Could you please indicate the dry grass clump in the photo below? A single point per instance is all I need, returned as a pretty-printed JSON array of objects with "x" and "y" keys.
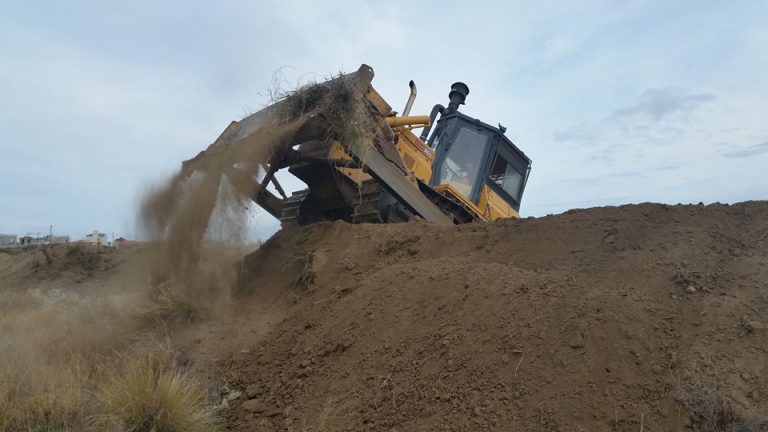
[
  {"x": 44, "y": 396},
  {"x": 337, "y": 100},
  {"x": 151, "y": 393},
  {"x": 306, "y": 276},
  {"x": 705, "y": 397},
  {"x": 169, "y": 307},
  {"x": 59, "y": 370},
  {"x": 45, "y": 371}
]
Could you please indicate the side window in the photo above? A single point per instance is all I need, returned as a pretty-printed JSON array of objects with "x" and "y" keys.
[{"x": 507, "y": 177}]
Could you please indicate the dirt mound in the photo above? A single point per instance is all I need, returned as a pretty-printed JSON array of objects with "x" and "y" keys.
[
  {"x": 76, "y": 260},
  {"x": 595, "y": 319}
]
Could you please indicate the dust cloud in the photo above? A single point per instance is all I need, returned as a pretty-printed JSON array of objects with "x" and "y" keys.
[{"x": 198, "y": 219}]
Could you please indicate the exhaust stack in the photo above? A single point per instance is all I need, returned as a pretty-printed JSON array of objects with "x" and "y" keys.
[
  {"x": 411, "y": 98},
  {"x": 457, "y": 96}
]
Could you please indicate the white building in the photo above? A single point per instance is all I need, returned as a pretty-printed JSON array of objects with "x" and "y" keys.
[
  {"x": 96, "y": 238},
  {"x": 8, "y": 240}
]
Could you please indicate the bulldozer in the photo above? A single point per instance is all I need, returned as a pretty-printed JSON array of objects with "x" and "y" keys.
[{"x": 362, "y": 162}]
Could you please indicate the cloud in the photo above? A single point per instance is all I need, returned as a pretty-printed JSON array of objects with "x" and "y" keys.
[
  {"x": 748, "y": 151},
  {"x": 658, "y": 104},
  {"x": 653, "y": 116}
]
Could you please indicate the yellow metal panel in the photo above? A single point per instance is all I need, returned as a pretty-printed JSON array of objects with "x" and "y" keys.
[
  {"x": 412, "y": 121},
  {"x": 336, "y": 151},
  {"x": 450, "y": 191},
  {"x": 416, "y": 155},
  {"x": 493, "y": 206},
  {"x": 378, "y": 102}
]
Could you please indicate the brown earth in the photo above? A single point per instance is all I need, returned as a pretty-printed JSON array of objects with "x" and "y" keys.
[
  {"x": 586, "y": 321},
  {"x": 592, "y": 320}
]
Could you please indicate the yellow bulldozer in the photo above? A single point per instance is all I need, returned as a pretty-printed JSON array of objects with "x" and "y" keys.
[{"x": 362, "y": 162}]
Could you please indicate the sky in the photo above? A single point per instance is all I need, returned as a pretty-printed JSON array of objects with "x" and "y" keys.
[{"x": 616, "y": 102}]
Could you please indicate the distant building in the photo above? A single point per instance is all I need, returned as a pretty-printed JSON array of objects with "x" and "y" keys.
[
  {"x": 57, "y": 239},
  {"x": 96, "y": 238},
  {"x": 26, "y": 240},
  {"x": 122, "y": 242},
  {"x": 8, "y": 240}
]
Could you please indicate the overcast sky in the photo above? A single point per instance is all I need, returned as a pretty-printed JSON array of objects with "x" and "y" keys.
[{"x": 615, "y": 101}]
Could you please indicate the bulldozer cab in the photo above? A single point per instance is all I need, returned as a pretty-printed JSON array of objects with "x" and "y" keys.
[{"x": 473, "y": 157}]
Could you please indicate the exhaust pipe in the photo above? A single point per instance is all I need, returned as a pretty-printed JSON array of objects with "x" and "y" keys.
[
  {"x": 456, "y": 97},
  {"x": 411, "y": 98},
  {"x": 437, "y": 109}
]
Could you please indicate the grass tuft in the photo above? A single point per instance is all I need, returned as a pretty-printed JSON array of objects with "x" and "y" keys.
[
  {"x": 150, "y": 393},
  {"x": 705, "y": 397}
]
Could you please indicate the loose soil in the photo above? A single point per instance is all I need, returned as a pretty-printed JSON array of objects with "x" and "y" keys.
[
  {"x": 589, "y": 320},
  {"x": 592, "y": 320}
]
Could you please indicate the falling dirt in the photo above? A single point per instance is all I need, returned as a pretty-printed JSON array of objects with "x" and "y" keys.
[
  {"x": 198, "y": 216},
  {"x": 594, "y": 320}
]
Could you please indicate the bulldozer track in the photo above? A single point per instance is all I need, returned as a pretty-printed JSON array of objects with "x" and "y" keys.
[
  {"x": 365, "y": 209},
  {"x": 367, "y": 205}
]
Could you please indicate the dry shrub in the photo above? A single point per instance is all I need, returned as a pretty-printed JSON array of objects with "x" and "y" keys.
[
  {"x": 305, "y": 277},
  {"x": 57, "y": 357},
  {"x": 151, "y": 393},
  {"x": 45, "y": 396},
  {"x": 82, "y": 257},
  {"x": 45, "y": 372},
  {"x": 705, "y": 397},
  {"x": 169, "y": 307}
]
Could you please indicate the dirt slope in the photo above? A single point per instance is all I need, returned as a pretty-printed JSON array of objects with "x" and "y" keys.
[{"x": 587, "y": 321}]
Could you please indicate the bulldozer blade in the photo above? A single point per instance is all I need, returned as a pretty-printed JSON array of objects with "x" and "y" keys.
[{"x": 377, "y": 156}]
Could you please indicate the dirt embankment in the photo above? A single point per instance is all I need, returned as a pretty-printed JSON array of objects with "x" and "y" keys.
[{"x": 591, "y": 320}]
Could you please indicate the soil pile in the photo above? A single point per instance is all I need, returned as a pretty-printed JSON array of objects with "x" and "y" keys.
[{"x": 595, "y": 319}]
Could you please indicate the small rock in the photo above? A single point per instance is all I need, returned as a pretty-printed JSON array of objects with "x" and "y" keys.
[
  {"x": 234, "y": 394},
  {"x": 691, "y": 289},
  {"x": 254, "y": 405},
  {"x": 305, "y": 363},
  {"x": 754, "y": 326},
  {"x": 505, "y": 358},
  {"x": 478, "y": 411},
  {"x": 445, "y": 397},
  {"x": 577, "y": 341},
  {"x": 252, "y": 391},
  {"x": 740, "y": 399}
]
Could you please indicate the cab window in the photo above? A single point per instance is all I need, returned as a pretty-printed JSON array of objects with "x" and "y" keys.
[
  {"x": 506, "y": 177},
  {"x": 462, "y": 160}
]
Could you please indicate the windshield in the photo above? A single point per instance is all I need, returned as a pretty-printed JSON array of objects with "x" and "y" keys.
[{"x": 462, "y": 161}]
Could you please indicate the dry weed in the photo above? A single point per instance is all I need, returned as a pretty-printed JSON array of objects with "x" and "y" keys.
[
  {"x": 169, "y": 307},
  {"x": 705, "y": 397},
  {"x": 151, "y": 393},
  {"x": 306, "y": 275}
]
